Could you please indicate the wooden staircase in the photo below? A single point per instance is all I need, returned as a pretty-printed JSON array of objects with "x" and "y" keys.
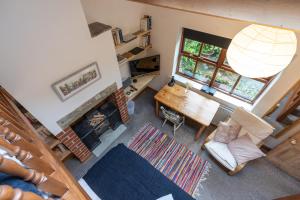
[
  {"x": 291, "y": 111},
  {"x": 19, "y": 139}
]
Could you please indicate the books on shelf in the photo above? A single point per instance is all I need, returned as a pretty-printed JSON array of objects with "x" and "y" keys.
[
  {"x": 145, "y": 40},
  {"x": 146, "y": 23},
  {"x": 117, "y": 36}
]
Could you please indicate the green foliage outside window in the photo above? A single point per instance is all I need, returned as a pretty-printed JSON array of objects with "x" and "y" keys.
[
  {"x": 225, "y": 80},
  {"x": 204, "y": 72},
  {"x": 192, "y": 46},
  {"x": 248, "y": 88},
  {"x": 211, "y": 52},
  {"x": 187, "y": 65}
]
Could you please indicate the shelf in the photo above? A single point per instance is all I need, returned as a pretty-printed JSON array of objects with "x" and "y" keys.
[
  {"x": 132, "y": 56},
  {"x": 141, "y": 33},
  {"x": 140, "y": 85},
  {"x": 52, "y": 142},
  {"x": 63, "y": 155},
  {"x": 137, "y": 34}
]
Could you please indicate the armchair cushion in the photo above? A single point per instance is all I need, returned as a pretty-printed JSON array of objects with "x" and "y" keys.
[
  {"x": 226, "y": 132},
  {"x": 243, "y": 149},
  {"x": 254, "y": 125},
  {"x": 221, "y": 152}
]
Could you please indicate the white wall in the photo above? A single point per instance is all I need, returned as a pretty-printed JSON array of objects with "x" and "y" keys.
[
  {"x": 167, "y": 25},
  {"x": 41, "y": 43},
  {"x": 117, "y": 13}
]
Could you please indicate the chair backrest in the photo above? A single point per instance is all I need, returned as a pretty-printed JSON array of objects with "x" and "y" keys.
[{"x": 257, "y": 128}]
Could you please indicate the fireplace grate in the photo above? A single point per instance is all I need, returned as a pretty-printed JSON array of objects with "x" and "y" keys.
[{"x": 96, "y": 122}]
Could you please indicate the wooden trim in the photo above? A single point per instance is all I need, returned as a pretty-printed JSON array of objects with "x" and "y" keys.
[
  {"x": 275, "y": 105},
  {"x": 189, "y": 10},
  {"x": 292, "y": 197}
]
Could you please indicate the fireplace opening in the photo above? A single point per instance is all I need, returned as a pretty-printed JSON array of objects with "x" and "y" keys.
[{"x": 93, "y": 124}]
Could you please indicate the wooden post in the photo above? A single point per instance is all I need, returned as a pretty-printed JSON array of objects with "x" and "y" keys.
[
  {"x": 17, "y": 140},
  {"x": 12, "y": 127},
  {"x": 26, "y": 157},
  {"x": 157, "y": 108},
  {"x": 45, "y": 183},
  {"x": 199, "y": 132},
  {"x": 9, "y": 193}
]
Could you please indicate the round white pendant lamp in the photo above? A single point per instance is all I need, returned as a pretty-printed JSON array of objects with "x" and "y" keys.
[{"x": 260, "y": 51}]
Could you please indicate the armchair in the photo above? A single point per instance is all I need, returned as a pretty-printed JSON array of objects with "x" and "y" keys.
[{"x": 255, "y": 127}]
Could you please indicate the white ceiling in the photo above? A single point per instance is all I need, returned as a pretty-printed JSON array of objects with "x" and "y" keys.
[{"x": 280, "y": 13}]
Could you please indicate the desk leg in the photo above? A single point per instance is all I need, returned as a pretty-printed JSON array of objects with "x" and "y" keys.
[
  {"x": 200, "y": 131},
  {"x": 157, "y": 108}
]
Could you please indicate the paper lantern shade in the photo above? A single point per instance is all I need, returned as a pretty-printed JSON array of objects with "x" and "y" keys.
[{"x": 260, "y": 51}]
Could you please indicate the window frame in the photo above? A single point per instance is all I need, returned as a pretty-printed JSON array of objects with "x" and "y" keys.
[{"x": 219, "y": 64}]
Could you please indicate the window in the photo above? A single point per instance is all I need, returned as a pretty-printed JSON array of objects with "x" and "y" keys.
[{"x": 202, "y": 58}]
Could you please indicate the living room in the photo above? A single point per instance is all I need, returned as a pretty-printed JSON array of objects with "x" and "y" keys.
[{"x": 75, "y": 72}]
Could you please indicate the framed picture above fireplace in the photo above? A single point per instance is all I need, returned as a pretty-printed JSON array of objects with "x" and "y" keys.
[{"x": 75, "y": 82}]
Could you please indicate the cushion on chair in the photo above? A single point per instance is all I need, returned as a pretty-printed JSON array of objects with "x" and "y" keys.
[
  {"x": 226, "y": 132},
  {"x": 221, "y": 152},
  {"x": 243, "y": 149},
  {"x": 255, "y": 126},
  {"x": 254, "y": 139}
]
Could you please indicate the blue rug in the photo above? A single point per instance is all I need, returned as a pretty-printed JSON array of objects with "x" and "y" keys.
[{"x": 124, "y": 175}]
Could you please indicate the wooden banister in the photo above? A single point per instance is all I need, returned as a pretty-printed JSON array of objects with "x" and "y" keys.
[
  {"x": 12, "y": 127},
  {"x": 43, "y": 182},
  {"x": 9, "y": 193},
  {"x": 17, "y": 140},
  {"x": 28, "y": 140},
  {"x": 292, "y": 103},
  {"x": 26, "y": 157}
]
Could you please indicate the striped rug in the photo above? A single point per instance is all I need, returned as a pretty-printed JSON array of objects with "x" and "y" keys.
[{"x": 174, "y": 160}]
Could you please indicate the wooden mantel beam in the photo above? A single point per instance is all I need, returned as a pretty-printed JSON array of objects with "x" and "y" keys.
[{"x": 277, "y": 13}]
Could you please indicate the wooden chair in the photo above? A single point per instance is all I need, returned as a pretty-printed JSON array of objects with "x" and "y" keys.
[
  {"x": 176, "y": 119},
  {"x": 255, "y": 127}
]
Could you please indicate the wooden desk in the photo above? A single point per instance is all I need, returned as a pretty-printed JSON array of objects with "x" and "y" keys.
[{"x": 190, "y": 104}]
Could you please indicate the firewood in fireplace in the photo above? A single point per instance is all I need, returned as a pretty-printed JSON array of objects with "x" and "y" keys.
[{"x": 96, "y": 119}]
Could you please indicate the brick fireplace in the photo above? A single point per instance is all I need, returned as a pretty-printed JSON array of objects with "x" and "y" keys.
[{"x": 71, "y": 139}]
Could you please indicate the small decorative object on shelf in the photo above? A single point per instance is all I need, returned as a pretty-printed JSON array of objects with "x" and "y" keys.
[
  {"x": 117, "y": 36},
  {"x": 171, "y": 82},
  {"x": 146, "y": 23}
]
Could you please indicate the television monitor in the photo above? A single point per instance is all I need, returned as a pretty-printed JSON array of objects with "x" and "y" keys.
[{"x": 143, "y": 66}]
